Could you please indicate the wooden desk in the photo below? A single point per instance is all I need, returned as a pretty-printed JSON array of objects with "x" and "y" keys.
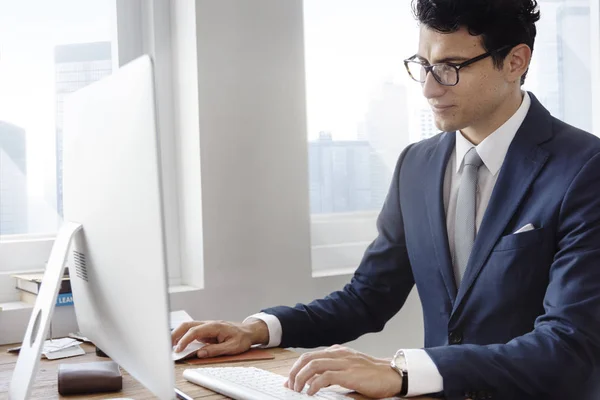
[{"x": 46, "y": 382}]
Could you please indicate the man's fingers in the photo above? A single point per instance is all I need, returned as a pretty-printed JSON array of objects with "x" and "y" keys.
[
  {"x": 325, "y": 379},
  {"x": 332, "y": 352},
  {"x": 215, "y": 350},
  {"x": 318, "y": 367},
  {"x": 182, "y": 329},
  {"x": 311, "y": 380},
  {"x": 298, "y": 365},
  {"x": 200, "y": 332}
]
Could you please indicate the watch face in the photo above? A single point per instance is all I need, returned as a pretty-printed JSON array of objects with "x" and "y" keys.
[{"x": 400, "y": 361}]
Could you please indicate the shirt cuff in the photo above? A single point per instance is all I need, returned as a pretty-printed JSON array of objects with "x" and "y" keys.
[
  {"x": 423, "y": 375},
  {"x": 274, "y": 326}
]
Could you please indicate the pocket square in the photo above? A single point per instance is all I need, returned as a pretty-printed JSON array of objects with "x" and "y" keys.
[{"x": 528, "y": 227}]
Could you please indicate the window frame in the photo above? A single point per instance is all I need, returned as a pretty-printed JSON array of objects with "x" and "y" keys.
[
  {"x": 144, "y": 27},
  {"x": 139, "y": 27}
]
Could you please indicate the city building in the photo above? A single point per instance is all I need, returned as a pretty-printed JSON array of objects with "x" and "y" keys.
[
  {"x": 387, "y": 130},
  {"x": 77, "y": 65},
  {"x": 427, "y": 124},
  {"x": 354, "y": 175},
  {"x": 13, "y": 180},
  {"x": 339, "y": 175}
]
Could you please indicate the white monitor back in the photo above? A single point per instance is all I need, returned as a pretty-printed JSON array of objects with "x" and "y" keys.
[{"x": 112, "y": 186}]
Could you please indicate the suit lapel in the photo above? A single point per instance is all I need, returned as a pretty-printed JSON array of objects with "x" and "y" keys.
[
  {"x": 434, "y": 195},
  {"x": 523, "y": 162}
]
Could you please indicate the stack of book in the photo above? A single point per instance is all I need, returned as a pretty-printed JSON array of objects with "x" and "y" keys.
[{"x": 29, "y": 286}]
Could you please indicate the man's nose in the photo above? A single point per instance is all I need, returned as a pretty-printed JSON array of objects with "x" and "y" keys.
[{"x": 432, "y": 88}]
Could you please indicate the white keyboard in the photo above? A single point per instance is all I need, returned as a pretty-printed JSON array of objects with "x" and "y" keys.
[{"x": 252, "y": 384}]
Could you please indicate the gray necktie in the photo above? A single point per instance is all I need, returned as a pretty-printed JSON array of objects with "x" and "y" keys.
[{"x": 466, "y": 205}]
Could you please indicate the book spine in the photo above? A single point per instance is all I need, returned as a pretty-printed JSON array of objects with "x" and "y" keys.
[
  {"x": 34, "y": 287},
  {"x": 64, "y": 299},
  {"x": 28, "y": 286},
  {"x": 65, "y": 286}
]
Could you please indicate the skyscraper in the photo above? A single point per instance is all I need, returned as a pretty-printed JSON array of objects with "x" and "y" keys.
[
  {"x": 426, "y": 124},
  {"x": 354, "y": 175},
  {"x": 339, "y": 175},
  {"x": 13, "y": 180},
  {"x": 560, "y": 67},
  {"x": 77, "y": 65},
  {"x": 388, "y": 133},
  {"x": 545, "y": 63},
  {"x": 574, "y": 60}
]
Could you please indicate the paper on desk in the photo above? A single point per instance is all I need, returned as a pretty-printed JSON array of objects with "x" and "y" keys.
[
  {"x": 71, "y": 351},
  {"x": 61, "y": 348},
  {"x": 79, "y": 336},
  {"x": 53, "y": 345},
  {"x": 179, "y": 317}
]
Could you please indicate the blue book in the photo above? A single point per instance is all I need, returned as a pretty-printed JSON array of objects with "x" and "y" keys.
[{"x": 64, "y": 299}]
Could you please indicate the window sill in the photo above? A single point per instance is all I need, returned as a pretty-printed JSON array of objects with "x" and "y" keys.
[
  {"x": 183, "y": 289},
  {"x": 20, "y": 305},
  {"x": 7, "y": 307},
  {"x": 14, "y": 306},
  {"x": 15, "y": 315}
]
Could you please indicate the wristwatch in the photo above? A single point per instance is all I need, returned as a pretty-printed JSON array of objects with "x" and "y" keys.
[{"x": 398, "y": 364}]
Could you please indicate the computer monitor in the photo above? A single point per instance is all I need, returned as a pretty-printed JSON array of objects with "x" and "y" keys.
[{"x": 112, "y": 187}]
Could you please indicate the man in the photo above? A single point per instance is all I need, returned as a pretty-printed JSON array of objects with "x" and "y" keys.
[{"x": 496, "y": 220}]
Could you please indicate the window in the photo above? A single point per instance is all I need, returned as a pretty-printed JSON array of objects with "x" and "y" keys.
[
  {"x": 560, "y": 73},
  {"x": 50, "y": 49},
  {"x": 363, "y": 110},
  {"x": 47, "y": 50}
]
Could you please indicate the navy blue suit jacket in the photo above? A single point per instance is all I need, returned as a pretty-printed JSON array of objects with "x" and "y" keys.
[{"x": 525, "y": 321}]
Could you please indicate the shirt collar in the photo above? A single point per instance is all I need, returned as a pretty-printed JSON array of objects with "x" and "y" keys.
[{"x": 493, "y": 149}]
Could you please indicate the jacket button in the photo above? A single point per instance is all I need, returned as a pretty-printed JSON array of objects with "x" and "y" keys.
[{"x": 455, "y": 338}]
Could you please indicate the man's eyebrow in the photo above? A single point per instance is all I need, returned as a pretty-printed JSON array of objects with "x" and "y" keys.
[{"x": 451, "y": 59}]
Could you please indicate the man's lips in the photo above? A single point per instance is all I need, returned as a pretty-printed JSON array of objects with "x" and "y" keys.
[{"x": 440, "y": 107}]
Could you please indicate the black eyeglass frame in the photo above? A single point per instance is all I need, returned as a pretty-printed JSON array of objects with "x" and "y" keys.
[{"x": 457, "y": 67}]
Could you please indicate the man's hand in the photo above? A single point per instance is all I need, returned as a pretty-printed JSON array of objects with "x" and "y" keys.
[
  {"x": 221, "y": 337},
  {"x": 337, "y": 365}
]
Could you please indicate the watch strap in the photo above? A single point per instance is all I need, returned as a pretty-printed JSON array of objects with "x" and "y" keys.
[{"x": 402, "y": 371}]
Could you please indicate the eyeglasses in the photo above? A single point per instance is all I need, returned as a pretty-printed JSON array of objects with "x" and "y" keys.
[{"x": 445, "y": 74}]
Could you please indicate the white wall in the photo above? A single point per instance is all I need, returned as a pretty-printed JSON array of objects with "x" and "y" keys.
[{"x": 254, "y": 171}]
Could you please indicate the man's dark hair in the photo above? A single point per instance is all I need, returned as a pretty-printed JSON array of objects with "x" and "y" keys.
[{"x": 499, "y": 22}]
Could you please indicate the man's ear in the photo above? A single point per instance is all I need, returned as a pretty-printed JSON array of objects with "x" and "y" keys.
[{"x": 517, "y": 62}]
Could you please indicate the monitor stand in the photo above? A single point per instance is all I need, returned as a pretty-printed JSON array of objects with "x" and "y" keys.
[{"x": 29, "y": 356}]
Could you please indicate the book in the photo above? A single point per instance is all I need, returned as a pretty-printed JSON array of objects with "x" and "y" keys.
[
  {"x": 32, "y": 282},
  {"x": 63, "y": 299}
]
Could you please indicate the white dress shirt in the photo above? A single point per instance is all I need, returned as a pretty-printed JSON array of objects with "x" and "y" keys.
[{"x": 424, "y": 375}]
